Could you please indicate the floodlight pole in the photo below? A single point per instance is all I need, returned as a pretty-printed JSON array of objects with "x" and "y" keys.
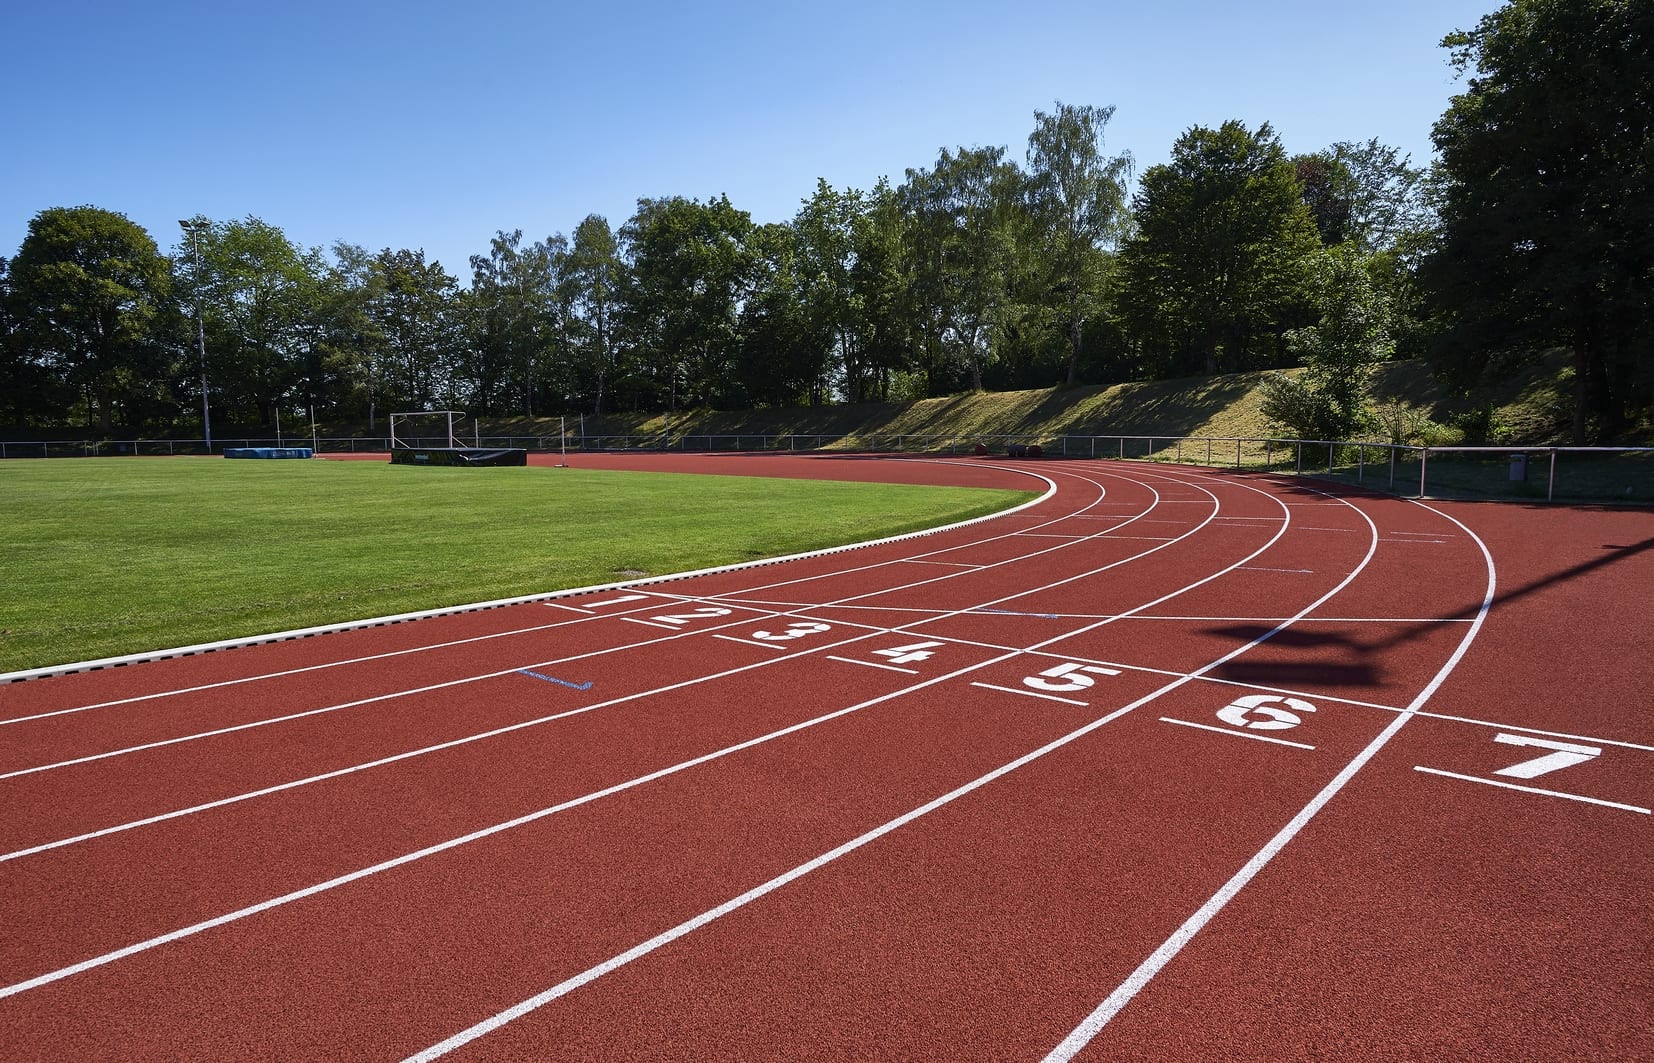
[{"x": 193, "y": 227}]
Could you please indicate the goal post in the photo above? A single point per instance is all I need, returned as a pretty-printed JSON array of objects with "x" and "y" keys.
[{"x": 446, "y": 427}]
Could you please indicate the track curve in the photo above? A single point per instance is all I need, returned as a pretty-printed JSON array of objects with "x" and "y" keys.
[{"x": 1077, "y": 781}]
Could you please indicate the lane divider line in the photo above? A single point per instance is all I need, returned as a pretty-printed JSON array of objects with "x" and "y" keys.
[
  {"x": 1093, "y": 1024},
  {"x": 750, "y": 642},
  {"x": 539, "y": 1000},
  {"x": 465, "y": 839},
  {"x": 1030, "y": 694},
  {"x": 1535, "y": 790},
  {"x": 874, "y": 664},
  {"x": 1237, "y": 734}
]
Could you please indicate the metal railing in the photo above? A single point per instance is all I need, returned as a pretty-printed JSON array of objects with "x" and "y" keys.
[{"x": 1624, "y": 474}]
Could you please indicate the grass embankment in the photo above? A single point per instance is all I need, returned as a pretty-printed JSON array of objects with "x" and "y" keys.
[
  {"x": 1531, "y": 407},
  {"x": 111, "y": 556}
]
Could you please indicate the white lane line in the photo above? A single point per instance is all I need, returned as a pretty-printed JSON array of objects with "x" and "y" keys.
[
  {"x": 1100, "y": 1017},
  {"x": 689, "y": 926},
  {"x": 477, "y": 835},
  {"x": 370, "y": 658},
  {"x": 676, "y": 634},
  {"x": 1309, "y": 619},
  {"x": 1259, "y": 568},
  {"x": 1534, "y": 790},
  {"x": 750, "y": 642},
  {"x": 1537, "y": 731},
  {"x": 422, "y": 751},
  {"x": 570, "y": 608},
  {"x": 398, "y": 861},
  {"x": 501, "y": 1018},
  {"x": 1235, "y": 733},
  {"x": 947, "y": 564},
  {"x": 650, "y": 623},
  {"x": 873, "y": 664},
  {"x": 1030, "y": 694}
]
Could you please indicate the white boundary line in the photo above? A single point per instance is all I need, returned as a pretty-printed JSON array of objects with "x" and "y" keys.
[
  {"x": 1236, "y": 734},
  {"x": 1100, "y": 1016},
  {"x": 1030, "y": 694},
  {"x": 868, "y": 632},
  {"x": 142, "y": 946},
  {"x": 1535, "y": 790},
  {"x": 546, "y": 596},
  {"x": 567, "y": 986}
]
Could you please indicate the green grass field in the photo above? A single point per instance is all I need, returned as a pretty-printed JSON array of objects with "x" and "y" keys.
[{"x": 103, "y": 557}]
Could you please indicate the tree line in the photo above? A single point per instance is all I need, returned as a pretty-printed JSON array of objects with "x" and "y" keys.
[{"x": 1532, "y": 230}]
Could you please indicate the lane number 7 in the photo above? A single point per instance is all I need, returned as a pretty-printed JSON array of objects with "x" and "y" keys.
[{"x": 1563, "y": 755}]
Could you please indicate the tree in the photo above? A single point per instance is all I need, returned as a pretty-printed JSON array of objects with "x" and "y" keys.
[
  {"x": 785, "y": 346},
  {"x": 1546, "y": 201},
  {"x": 593, "y": 278},
  {"x": 515, "y": 309},
  {"x": 1219, "y": 258},
  {"x": 1077, "y": 200},
  {"x": 1329, "y": 193},
  {"x": 691, "y": 267},
  {"x": 414, "y": 321},
  {"x": 86, "y": 290},
  {"x": 1328, "y": 400},
  {"x": 959, "y": 245},
  {"x": 1386, "y": 194},
  {"x": 258, "y": 294},
  {"x": 882, "y": 297}
]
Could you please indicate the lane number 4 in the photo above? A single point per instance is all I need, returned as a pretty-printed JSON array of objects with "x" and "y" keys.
[{"x": 919, "y": 651}]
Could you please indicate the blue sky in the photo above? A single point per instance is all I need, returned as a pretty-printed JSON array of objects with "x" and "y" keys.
[{"x": 432, "y": 125}]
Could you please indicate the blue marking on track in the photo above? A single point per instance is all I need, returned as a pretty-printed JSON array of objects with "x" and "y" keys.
[
  {"x": 1013, "y": 612},
  {"x": 587, "y": 685}
]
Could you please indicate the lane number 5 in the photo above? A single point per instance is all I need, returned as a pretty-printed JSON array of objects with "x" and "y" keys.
[{"x": 1068, "y": 677}]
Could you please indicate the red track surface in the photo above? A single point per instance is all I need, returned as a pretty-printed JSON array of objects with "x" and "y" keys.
[{"x": 965, "y": 796}]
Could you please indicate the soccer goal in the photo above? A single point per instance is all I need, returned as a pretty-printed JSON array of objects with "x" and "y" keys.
[{"x": 421, "y": 427}]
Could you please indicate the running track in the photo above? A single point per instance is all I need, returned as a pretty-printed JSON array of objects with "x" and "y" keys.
[{"x": 1172, "y": 764}]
